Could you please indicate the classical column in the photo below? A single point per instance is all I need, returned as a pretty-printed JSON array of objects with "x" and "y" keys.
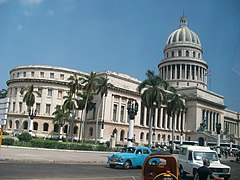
[
  {"x": 145, "y": 117},
  {"x": 156, "y": 117},
  {"x": 161, "y": 117}
]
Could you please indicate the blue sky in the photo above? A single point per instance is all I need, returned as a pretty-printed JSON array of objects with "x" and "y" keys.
[{"x": 126, "y": 36}]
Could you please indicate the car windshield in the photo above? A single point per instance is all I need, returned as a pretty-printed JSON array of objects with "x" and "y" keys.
[
  {"x": 129, "y": 149},
  {"x": 211, "y": 156}
]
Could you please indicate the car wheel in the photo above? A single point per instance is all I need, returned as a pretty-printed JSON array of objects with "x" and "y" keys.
[
  {"x": 127, "y": 165},
  {"x": 112, "y": 165},
  {"x": 182, "y": 173}
]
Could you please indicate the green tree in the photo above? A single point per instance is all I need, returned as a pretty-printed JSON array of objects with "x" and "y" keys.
[
  {"x": 61, "y": 116},
  {"x": 3, "y": 93},
  {"x": 89, "y": 86},
  {"x": 175, "y": 106},
  {"x": 152, "y": 96},
  {"x": 74, "y": 86},
  {"x": 102, "y": 89}
]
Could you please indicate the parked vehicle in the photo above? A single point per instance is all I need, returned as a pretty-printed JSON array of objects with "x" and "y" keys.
[
  {"x": 190, "y": 158},
  {"x": 160, "y": 166},
  {"x": 129, "y": 157}
]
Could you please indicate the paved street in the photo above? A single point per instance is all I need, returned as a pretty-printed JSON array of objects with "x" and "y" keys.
[{"x": 36, "y": 163}]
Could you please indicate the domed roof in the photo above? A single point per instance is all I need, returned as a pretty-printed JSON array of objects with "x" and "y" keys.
[{"x": 183, "y": 35}]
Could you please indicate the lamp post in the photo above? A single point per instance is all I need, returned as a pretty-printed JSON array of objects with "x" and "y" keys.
[
  {"x": 132, "y": 108},
  {"x": 218, "y": 128},
  {"x": 31, "y": 114}
]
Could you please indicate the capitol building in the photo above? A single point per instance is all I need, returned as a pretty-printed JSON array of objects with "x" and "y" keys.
[{"x": 183, "y": 67}]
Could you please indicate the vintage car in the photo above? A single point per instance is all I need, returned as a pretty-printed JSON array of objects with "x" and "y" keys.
[
  {"x": 129, "y": 157},
  {"x": 160, "y": 165}
]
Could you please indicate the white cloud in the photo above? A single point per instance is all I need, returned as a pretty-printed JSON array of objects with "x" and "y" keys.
[
  {"x": 19, "y": 27},
  {"x": 2, "y": 1},
  {"x": 31, "y": 2}
]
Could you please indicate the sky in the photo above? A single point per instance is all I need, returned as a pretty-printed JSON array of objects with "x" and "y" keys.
[{"x": 125, "y": 36}]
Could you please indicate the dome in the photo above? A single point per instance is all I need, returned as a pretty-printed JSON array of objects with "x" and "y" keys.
[{"x": 183, "y": 35}]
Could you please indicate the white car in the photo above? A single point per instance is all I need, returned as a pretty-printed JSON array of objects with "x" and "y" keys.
[{"x": 191, "y": 158}]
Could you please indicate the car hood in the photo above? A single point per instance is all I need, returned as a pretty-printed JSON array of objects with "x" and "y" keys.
[
  {"x": 214, "y": 164},
  {"x": 118, "y": 155}
]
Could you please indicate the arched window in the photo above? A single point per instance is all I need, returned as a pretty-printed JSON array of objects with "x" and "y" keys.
[
  {"x": 10, "y": 124},
  {"x": 167, "y": 55},
  {"x": 90, "y": 131},
  {"x": 17, "y": 124},
  {"x": 35, "y": 126},
  {"x": 25, "y": 125},
  {"x": 147, "y": 136},
  {"x": 172, "y": 53},
  {"x": 159, "y": 137},
  {"x": 75, "y": 130},
  {"x": 168, "y": 137},
  {"x": 122, "y": 133},
  {"x": 65, "y": 129},
  {"x": 164, "y": 137},
  {"x": 194, "y": 54},
  {"x": 141, "y": 135},
  {"x": 179, "y": 53},
  {"x": 45, "y": 127},
  {"x": 199, "y": 56},
  {"x": 177, "y": 137},
  {"x": 187, "y": 53},
  {"x": 56, "y": 128}
]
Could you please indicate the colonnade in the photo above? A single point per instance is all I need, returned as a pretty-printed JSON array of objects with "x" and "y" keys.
[{"x": 211, "y": 118}]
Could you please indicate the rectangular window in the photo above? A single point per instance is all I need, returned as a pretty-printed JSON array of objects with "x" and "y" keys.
[
  {"x": 60, "y": 93},
  {"x": 20, "y": 107},
  {"x": 32, "y": 74},
  {"x": 18, "y": 74},
  {"x": 38, "y": 108},
  {"x": 115, "y": 112},
  {"x": 47, "y": 112},
  {"x": 122, "y": 113},
  {"x": 14, "y": 106},
  {"x": 142, "y": 114},
  {"x": 49, "y": 92},
  {"x": 52, "y": 75},
  {"x": 42, "y": 74},
  {"x": 62, "y": 76},
  {"x": 24, "y": 74}
]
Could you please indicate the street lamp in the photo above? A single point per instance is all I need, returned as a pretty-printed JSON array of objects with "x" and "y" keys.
[
  {"x": 218, "y": 128},
  {"x": 31, "y": 114},
  {"x": 132, "y": 108}
]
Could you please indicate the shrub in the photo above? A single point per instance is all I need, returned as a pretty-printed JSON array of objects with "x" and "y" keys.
[
  {"x": 7, "y": 141},
  {"x": 24, "y": 136}
]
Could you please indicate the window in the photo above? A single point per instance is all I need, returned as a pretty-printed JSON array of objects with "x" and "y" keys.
[
  {"x": 45, "y": 127},
  {"x": 75, "y": 130},
  {"x": 62, "y": 76},
  {"x": 38, "y": 108},
  {"x": 122, "y": 113},
  {"x": 179, "y": 53},
  {"x": 190, "y": 155},
  {"x": 49, "y": 92},
  {"x": 122, "y": 135},
  {"x": 60, "y": 93},
  {"x": 115, "y": 112},
  {"x": 199, "y": 56},
  {"x": 65, "y": 129},
  {"x": 90, "y": 131},
  {"x": 40, "y": 91},
  {"x": 48, "y": 106},
  {"x": 167, "y": 55},
  {"x": 172, "y": 53},
  {"x": 10, "y": 124},
  {"x": 14, "y": 106},
  {"x": 141, "y": 135},
  {"x": 24, "y": 74},
  {"x": 15, "y": 91},
  {"x": 55, "y": 128},
  {"x": 32, "y": 74},
  {"x": 51, "y": 75},
  {"x": 25, "y": 125},
  {"x": 187, "y": 53},
  {"x": 18, "y": 75},
  {"x": 194, "y": 54},
  {"x": 35, "y": 126},
  {"x": 42, "y": 74},
  {"x": 20, "y": 107},
  {"x": 17, "y": 124},
  {"x": 13, "y": 75}
]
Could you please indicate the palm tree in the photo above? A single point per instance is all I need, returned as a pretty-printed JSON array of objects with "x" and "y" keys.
[
  {"x": 70, "y": 104},
  {"x": 61, "y": 116},
  {"x": 152, "y": 96},
  {"x": 175, "y": 106},
  {"x": 75, "y": 86},
  {"x": 3, "y": 93},
  {"x": 89, "y": 85},
  {"x": 102, "y": 89},
  {"x": 29, "y": 99}
]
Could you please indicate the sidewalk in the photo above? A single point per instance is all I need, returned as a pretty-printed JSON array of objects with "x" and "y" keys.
[{"x": 12, "y": 153}]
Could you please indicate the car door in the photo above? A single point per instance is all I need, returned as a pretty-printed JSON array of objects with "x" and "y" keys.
[{"x": 189, "y": 162}]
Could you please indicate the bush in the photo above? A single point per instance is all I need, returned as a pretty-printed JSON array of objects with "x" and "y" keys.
[
  {"x": 24, "y": 136},
  {"x": 8, "y": 141}
]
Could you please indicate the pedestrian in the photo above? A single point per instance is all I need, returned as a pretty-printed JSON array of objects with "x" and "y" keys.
[{"x": 204, "y": 173}]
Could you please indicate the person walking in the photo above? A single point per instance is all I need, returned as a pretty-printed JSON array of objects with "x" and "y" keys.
[{"x": 204, "y": 173}]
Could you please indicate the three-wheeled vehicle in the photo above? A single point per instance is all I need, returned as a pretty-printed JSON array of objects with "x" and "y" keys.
[{"x": 160, "y": 165}]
